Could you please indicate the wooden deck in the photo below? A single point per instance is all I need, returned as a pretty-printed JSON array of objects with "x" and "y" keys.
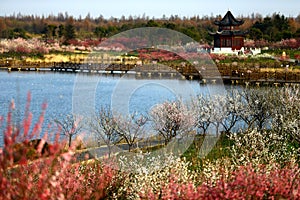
[{"x": 230, "y": 73}]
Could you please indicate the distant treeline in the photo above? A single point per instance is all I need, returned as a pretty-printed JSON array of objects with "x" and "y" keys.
[{"x": 64, "y": 27}]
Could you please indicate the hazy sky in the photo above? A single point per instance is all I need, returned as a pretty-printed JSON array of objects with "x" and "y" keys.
[{"x": 156, "y": 8}]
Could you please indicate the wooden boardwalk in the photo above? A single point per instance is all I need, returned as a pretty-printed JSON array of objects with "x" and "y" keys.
[{"x": 230, "y": 73}]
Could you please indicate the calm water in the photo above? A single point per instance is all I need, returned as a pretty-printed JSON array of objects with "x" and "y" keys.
[{"x": 67, "y": 93}]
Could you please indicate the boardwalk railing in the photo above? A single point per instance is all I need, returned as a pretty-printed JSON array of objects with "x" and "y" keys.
[{"x": 231, "y": 73}]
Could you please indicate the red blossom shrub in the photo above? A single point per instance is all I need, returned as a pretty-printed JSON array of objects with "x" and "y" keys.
[
  {"x": 158, "y": 54},
  {"x": 249, "y": 44},
  {"x": 90, "y": 43},
  {"x": 55, "y": 176},
  {"x": 42, "y": 50},
  {"x": 289, "y": 43},
  {"x": 218, "y": 56},
  {"x": 73, "y": 42},
  {"x": 297, "y": 56},
  {"x": 22, "y": 49}
]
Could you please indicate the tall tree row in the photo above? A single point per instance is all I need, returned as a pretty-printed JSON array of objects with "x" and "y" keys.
[{"x": 64, "y": 27}]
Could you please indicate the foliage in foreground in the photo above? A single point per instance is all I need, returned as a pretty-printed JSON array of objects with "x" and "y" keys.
[
  {"x": 51, "y": 176},
  {"x": 257, "y": 168}
]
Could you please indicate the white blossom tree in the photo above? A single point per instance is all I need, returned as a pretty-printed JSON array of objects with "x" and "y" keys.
[
  {"x": 258, "y": 107},
  {"x": 232, "y": 110},
  {"x": 171, "y": 119},
  {"x": 218, "y": 111},
  {"x": 104, "y": 127},
  {"x": 201, "y": 110},
  {"x": 131, "y": 128},
  {"x": 286, "y": 119}
]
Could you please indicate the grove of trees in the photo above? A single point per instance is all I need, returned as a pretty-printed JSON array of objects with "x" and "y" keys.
[{"x": 64, "y": 27}]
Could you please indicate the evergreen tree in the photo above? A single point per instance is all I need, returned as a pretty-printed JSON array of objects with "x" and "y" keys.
[
  {"x": 61, "y": 30},
  {"x": 69, "y": 32}
]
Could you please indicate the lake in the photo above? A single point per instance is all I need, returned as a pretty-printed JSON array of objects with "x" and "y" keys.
[{"x": 84, "y": 94}]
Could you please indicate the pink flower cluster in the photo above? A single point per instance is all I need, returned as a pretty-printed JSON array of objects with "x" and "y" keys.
[
  {"x": 158, "y": 54},
  {"x": 23, "y": 46},
  {"x": 26, "y": 172},
  {"x": 218, "y": 56},
  {"x": 283, "y": 44}
]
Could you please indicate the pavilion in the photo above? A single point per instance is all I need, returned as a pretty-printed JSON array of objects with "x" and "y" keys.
[{"x": 228, "y": 39}]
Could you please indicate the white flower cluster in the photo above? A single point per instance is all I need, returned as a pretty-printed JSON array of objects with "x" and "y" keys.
[
  {"x": 260, "y": 147},
  {"x": 274, "y": 143},
  {"x": 147, "y": 172},
  {"x": 23, "y": 46},
  {"x": 213, "y": 171},
  {"x": 287, "y": 115}
]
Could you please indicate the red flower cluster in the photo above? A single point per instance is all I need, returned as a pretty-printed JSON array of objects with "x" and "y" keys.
[
  {"x": 158, "y": 54},
  {"x": 46, "y": 176}
]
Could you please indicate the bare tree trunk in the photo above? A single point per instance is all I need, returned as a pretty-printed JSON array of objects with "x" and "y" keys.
[
  {"x": 70, "y": 140},
  {"x": 217, "y": 129}
]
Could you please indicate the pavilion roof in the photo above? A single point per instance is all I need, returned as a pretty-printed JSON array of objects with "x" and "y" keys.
[{"x": 229, "y": 20}]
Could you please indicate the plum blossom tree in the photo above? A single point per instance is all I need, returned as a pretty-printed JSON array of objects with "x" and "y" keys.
[
  {"x": 221, "y": 111},
  {"x": 202, "y": 113},
  {"x": 218, "y": 111},
  {"x": 130, "y": 128},
  {"x": 104, "y": 126},
  {"x": 171, "y": 119},
  {"x": 286, "y": 119},
  {"x": 70, "y": 126},
  {"x": 258, "y": 107},
  {"x": 233, "y": 107}
]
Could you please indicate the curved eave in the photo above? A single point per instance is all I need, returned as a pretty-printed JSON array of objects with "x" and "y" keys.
[
  {"x": 211, "y": 33},
  {"x": 231, "y": 33}
]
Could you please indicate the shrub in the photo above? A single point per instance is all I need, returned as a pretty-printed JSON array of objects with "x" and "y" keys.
[
  {"x": 260, "y": 147},
  {"x": 246, "y": 182},
  {"x": 54, "y": 176},
  {"x": 144, "y": 173}
]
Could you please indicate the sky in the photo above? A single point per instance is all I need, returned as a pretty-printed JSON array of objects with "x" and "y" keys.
[{"x": 151, "y": 8}]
